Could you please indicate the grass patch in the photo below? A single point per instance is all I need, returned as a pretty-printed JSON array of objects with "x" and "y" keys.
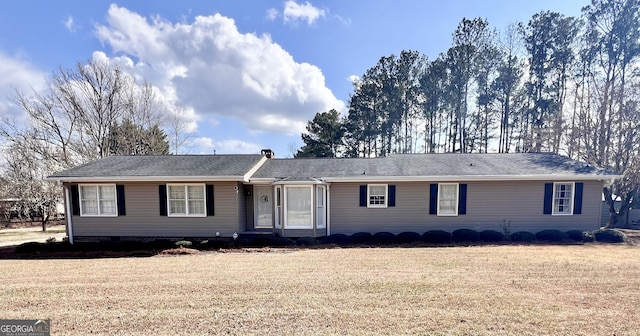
[{"x": 479, "y": 290}]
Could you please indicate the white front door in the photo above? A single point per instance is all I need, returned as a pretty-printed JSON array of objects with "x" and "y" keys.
[{"x": 263, "y": 200}]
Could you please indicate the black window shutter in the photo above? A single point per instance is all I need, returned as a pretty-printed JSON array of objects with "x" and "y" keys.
[
  {"x": 162, "y": 194},
  {"x": 75, "y": 200},
  {"x": 122, "y": 209},
  {"x": 433, "y": 199},
  {"x": 577, "y": 199},
  {"x": 392, "y": 195},
  {"x": 548, "y": 198},
  {"x": 462, "y": 199},
  {"x": 363, "y": 195},
  {"x": 210, "y": 207}
]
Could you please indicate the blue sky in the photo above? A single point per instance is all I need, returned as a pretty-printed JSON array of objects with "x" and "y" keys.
[{"x": 249, "y": 74}]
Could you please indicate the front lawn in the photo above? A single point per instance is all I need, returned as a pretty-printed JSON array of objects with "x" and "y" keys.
[{"x": 589, "y": 289}]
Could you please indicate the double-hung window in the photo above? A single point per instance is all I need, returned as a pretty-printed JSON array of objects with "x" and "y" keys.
[
  {"x": 98, "y": 200},
  {"x": 187, "y": 200},
  {"x": 377, "y": 196},
  {"x": 563, "y": 198},
  {"x": 448, "y": 199}
]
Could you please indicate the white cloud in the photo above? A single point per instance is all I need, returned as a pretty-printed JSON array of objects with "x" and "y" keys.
[
  {"x": 215, "y": 69},
  {"x": 344, "y": 20},
  {"x": 237, "y": 147},
  {"x": 294, "y": 12},
  {"x": 202, "y": 145},
  {"x": 272, "y": 14},
  {"x": 353, "y": 78},
  {"x": 71, "y": 27},
  {"x": 206, "y": 145},
  {"x": 20, "y": 75}
]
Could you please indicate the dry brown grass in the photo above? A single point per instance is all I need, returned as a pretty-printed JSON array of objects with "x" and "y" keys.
[{"x": 499, "y": 290}]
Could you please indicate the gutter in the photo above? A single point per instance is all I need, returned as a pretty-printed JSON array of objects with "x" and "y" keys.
[
  {"x": 454, "y": 178},
  {"x": 143, "y": 178}
]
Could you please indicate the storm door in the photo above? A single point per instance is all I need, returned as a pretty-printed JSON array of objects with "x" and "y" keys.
[{"x": 263, "y": 200}]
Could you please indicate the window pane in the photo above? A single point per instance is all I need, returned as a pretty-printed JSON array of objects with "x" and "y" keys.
[
  {"x": 107, "y": 207},
  {"x": 377, "y": 194},
  {"x": 176, "y": 192},
  {"x": 177, "y": 207},
  {"x": 88, "y": 192},
  {"x": 562, "y": 198},
  {"x": 89, "y": 201},
  {"x": 89, "y": 207},
  {"x": 107, "y": 192},
  {"x": 107, "y": 196},
  {"x": 196, "y": 192},
  {"x": 448, "y": 199},
  {"x": 299, "y": 206},
  {"x": 196, "y": 207}
]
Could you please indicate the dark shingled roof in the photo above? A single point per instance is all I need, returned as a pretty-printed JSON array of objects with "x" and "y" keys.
[
  {"x": 165, "y": 165},
  {"x": 437, "y": 165}
]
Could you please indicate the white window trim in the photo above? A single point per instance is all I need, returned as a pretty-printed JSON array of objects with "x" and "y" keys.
[
  {"x": 277, "y": 203},
  {"x": 321, "y": 208},
  {"x": 115, "y": 197},
  {"x": 386, "y": 196},
  {"x": 186, "y": 196},
  {"x": 553, "y": 199},
  {"x": 286, "y": 210},
  {"x": 457, "y": 185}
]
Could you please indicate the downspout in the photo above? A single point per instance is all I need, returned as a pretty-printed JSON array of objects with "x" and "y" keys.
[{"x": 69, "y": 212}]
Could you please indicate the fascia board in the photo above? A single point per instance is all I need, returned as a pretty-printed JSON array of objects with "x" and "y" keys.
[
  {"x": 454, "y": 178},
  {"x": 145, "y": 178}
]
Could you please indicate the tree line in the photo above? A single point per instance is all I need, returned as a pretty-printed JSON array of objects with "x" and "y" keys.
[{"x": 561, "y": 84}]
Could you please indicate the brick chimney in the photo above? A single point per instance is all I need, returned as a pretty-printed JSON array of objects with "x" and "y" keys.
[{"x": 268, "y": 153}]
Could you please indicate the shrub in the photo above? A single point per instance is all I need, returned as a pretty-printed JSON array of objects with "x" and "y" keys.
[
  {"x": 551, "y": 235},
  {"x": 361, "y": 237},
  {"x": 306, "y": 241},
  {"x": 437, "y": 237},
  {"x": 252, "y": 241},
  {"x": 159, "y": 244},
  {"x": 338, "y": 239},
  {"x": 588, "y": 237},
  {"x": 384, "y": 238},
  {"x": 216, "y": 243},
  {"x": 29, "y": 247},
  {"x": 408, "y": 237},
  {"x": 281, "y": 241},
  {"x": 465, "y": 235},
  {"x": 51, "y": 240},
  {"x": 183, "y": 243},
  {"x": 523, "y": 236},
  {"x": 609, "y": 236},
  {"x": 491, "y": 236},
  {"x": 576, "y": 235}
]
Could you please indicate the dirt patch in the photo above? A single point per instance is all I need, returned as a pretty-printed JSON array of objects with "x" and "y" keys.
[
  {"x": 633, "y": 236},
  {"x": 179, "y": 251}
]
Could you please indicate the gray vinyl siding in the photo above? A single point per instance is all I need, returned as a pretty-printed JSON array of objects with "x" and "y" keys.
[
  {"x": 489, "y": 205},
  {"x": 143, "y": 216}
]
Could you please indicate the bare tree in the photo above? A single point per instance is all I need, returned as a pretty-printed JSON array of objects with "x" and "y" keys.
[
  {"x": 68, "y": 123},
  {"x": 178, "y": 130}
]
